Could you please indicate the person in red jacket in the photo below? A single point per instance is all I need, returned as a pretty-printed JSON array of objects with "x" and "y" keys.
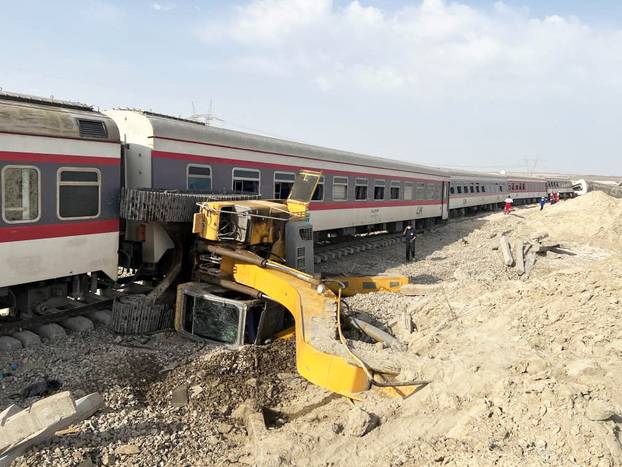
[{"x": 508, "y": 205}]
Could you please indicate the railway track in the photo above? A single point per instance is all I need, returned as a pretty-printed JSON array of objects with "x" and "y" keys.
[
  {"x": 32, "y": 331},
  {"x": 326, "y": 253}
]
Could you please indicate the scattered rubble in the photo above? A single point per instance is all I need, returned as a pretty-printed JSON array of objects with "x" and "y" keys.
[{"x": 524, "y": 364}]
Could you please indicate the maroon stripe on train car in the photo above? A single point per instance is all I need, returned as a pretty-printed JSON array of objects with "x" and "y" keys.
[
  {"x": 322, "y": 206},
  {"x": 270, "y": 165},
  {"x": 23, "y": 157},
  {"x": 18, "y": 233}
]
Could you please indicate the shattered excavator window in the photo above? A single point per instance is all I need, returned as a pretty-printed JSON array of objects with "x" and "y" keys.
[{"x": 212, "y": 320}]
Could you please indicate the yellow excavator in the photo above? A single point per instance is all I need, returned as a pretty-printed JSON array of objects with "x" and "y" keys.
[{"x": 253, "y": 263}]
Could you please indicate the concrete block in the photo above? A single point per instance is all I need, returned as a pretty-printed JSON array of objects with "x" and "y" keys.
[
  {"x": 53, "y": 408},
  {"x": 78, "y": 324},
  {"x": 51, "y": 331},
  {"x": 100, "y": 317},
  {"x": 27, "y": 338},
  {"x": 43, "y": 419},
  {"x": 9, "y": 343}
]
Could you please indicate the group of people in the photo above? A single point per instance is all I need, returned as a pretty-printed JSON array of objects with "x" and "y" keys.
[
  {"x": 410, "y": 236},
  {"x": 551, "y": 198}
]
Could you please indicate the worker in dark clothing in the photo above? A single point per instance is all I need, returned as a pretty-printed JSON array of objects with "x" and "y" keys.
[
  {"x": 542, "y": 201},
  {"x": 409, "y": 237}
]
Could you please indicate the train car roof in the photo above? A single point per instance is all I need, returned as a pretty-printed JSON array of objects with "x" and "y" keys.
[
  {"x": 37, "y": 116},
  {"x": 464, "y": 174},
  {"x": 180, "y": 129}
]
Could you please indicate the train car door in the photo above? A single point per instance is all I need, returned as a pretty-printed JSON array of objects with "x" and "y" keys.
[{"x": 445, "y": 201}]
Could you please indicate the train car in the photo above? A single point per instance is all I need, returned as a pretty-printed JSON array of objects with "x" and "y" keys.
[
  {"x": 59, "y": 186},
  {"x": 356, "y": 193},
  {"x": 563, "y": 186},
  {"x": 526, "y": 190},
  {"x": 472, "y": 191}
]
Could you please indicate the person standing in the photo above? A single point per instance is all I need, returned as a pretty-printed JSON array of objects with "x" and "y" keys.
[
  {"x": 409, "y": 237},
  {"x": 556, "y": 197},
  {"x": 542, "y": 201},
  {"x": 508, "y": 205}
]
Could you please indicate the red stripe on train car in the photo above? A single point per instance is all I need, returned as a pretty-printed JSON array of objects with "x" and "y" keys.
[
  {"x": 321, "y": 206},
  {"x": 238, "y": 148},
  {"x": 18, "y": 233},
  {"x": 32, "y": 157},
  {"x": 269, "y": 165}
]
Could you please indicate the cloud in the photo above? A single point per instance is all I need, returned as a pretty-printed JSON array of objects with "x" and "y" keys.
[
  {"x": 165, "y": 6},
  {"x": 431, "y": 48}
]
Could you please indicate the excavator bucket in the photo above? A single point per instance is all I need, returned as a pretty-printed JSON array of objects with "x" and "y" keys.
[{"x": 302, "y": 191}]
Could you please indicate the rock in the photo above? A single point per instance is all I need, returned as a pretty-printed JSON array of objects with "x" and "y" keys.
[
  {"x": 51, "y": 331},
  {"x": 127, "y": 450},
  {"x": 9, "y": 343},
  {"x": 27, "y": 338},
  {"x": 224, "y": 427},
  {"x": 360, "y": 422},
  {"x": 108, "y": 459},
  {"x": 179, "y": 397},
  {"x": 195, "y": 390},
  {"x": 78, "y": 324},
  {"x": 535, "y": 366},
  {"x": 598, "y": 410},
  {"x": 86, "y": 463}
]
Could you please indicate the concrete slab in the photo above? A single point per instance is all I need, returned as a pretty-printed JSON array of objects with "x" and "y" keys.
[
  {"x": 78, "y": 324},
  {"x": 51, "y": 331},
  {"x": 27, "y": 338},
  {"x": 100, "y": 317},
  {"x": 9, "y": 343}
]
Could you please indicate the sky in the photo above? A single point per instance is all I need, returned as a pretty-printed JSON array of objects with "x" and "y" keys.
[{"x": 483, "y": 85}]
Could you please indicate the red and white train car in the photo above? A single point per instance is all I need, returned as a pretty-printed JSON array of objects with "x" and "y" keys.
[
  {"x": 471, "y": 190},
  {"x": 525, "y": 190},
  {"x": 356, "y": 191},
  {"x": 59, "y": 186}
]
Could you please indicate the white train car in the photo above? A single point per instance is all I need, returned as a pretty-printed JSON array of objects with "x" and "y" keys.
[
  {"x": 59, "y": 185},
  {"x": 356, "y": 191},
  {"x": 526, "y": 190},
  {"x": 470, "y": 191}
]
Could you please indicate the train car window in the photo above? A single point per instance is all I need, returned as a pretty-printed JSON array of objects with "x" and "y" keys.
[
  {"x": 283, "y": 182},
  {"x": 420, "y": 191},
  {"x": 79, "y": 192},
  {"x": 477, "y": 188},
  {"x": 471, "y": 188},
  {"x": 430, "y": 191},
  {"x": 394, "y": 191},
  {"x": 360, "y": 189},
  {"x": 246, "y": 181},
  {"x": 340, "y": 188},
  {"x": 408, "y": 191},
  {"x": 21, "y": 194},
  {"x": 318, "y": 194},
  {"x": 483, "y": 188},
  {"x": 199, "y": 177},
  {"x": 379, "y": 189},
  {"x": 459, "y": 189},
  {"x": 465, "y": 188}
]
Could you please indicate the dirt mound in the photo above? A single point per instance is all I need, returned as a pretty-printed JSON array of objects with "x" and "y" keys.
[{"x": 594, "y": 219}]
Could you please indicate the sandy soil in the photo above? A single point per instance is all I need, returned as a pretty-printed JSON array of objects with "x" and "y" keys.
[{"x": 521, "y": 370}]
